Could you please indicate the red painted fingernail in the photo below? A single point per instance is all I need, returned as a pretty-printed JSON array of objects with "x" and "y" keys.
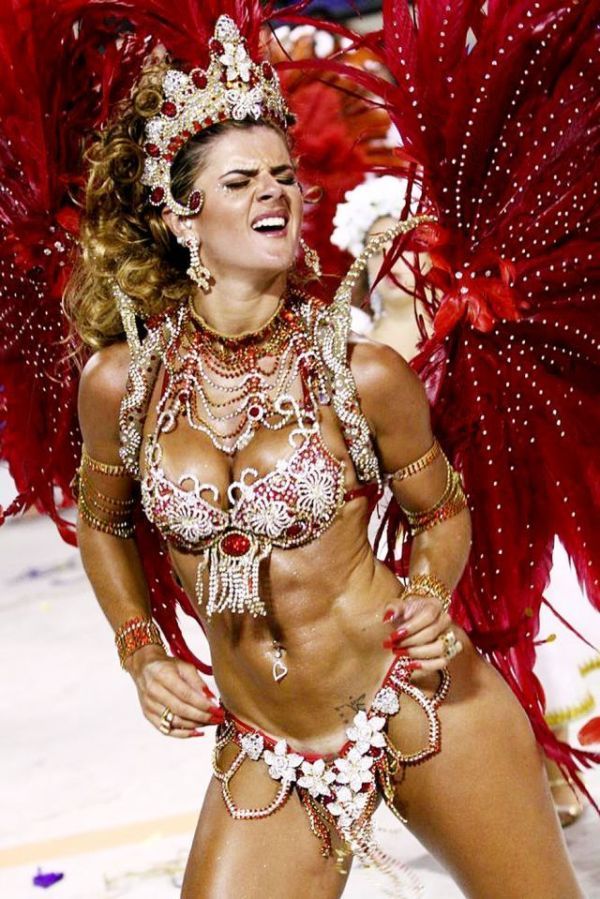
[
  {"x": 216, "y": 710},
  {"x": 197, "y": 733},
  {"x": 389, "y": 615},
  {"x": 388, "y": 644},
  {"x": 401, "y": 652},
  {"x": 215, "y": 719},
  {"x": 208, "y": 692},
  {"x": 400, "y": 634},
  {"x": 414, "y": 666}
]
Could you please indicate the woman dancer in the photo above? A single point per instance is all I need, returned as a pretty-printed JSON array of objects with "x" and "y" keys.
[
  {"x": 235, "y": 405},
  {"x": 255, "y": 464}
]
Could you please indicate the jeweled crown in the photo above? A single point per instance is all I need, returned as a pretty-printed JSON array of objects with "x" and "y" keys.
[{"x": 233, "y": 86}]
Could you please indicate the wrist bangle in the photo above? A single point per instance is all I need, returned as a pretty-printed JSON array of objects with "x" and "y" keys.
[
  {"x": 134, "y": 634},
  {"x": 429, "y": 585}
]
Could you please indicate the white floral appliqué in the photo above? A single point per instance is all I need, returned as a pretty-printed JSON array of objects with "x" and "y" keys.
[
  {"x": 316, "y": 492},
  {"x": 316, "y": 778},
  {"x": 367, "y": 732},
  {"x": 268, "y": 517},
  {"x": 245, "y": 103},
  {"x": 354, "y": 769},
  {"x": 253, "y": 745},
  {"x": 348, "y": 806},
  {"x": 386, "y": 701},
  {"x": 237, "y": 61},
  {"x": 282, "y": 764}
]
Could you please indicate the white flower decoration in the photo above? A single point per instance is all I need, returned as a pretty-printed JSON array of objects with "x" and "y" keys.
[
  {"x": 366, "y": 732},
  {"x": 268, "y": 517},
  {"x": 245, "y": 103},
  {"x": 316, "y": 778},
  {"x": 369, "y": 201},
  {"x": 348, "y": 806},
  {"x": 282, "y": 764},
  {"x": 316, "y": 492},
  {"x": 253, "y": 745},
  {"x": 237, "y": 61},
  {"x": 386, "y": 700},
  {"x": 354, "y": 769}
]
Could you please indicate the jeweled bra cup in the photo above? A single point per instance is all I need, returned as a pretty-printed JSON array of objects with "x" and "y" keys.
[{"x": 289, "y": 506}]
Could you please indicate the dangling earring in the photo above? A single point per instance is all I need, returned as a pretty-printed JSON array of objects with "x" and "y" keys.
[
  {"x": 311, "y": 257},
  {"x": 197, "y": 271}
]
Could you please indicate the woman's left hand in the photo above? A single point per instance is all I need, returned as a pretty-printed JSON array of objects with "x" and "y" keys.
[{"x": 422, "y": 632}]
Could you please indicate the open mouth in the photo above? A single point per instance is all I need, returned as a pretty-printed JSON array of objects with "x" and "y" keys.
[{"x": 274, "y": 224}]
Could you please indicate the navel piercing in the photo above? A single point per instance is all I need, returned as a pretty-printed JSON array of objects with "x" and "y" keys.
[{"x": 279, "y": 667}]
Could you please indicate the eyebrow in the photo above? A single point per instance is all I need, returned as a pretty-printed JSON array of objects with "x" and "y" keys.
[{"x": 275, "y": 170}]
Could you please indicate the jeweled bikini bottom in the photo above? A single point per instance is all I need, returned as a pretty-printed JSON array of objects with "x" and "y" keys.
[{"x": 338, "y": 792}]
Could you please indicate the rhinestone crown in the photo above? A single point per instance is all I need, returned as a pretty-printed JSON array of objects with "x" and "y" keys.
[{"x": 232, "y": 87}]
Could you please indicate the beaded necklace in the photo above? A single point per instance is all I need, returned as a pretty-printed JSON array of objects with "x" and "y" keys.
[{"x": 226, "y": 386}]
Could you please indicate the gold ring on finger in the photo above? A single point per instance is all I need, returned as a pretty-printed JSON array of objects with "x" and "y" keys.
[
  {"x": 166, "y": 720},
  {"x": 451, "y": 645}
]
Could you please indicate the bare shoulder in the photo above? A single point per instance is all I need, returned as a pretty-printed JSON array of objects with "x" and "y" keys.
[
  {"x": 392, "y": 398},
  {"x": 101, "y": 389}
]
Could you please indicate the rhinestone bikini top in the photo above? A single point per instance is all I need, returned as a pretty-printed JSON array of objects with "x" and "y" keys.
[{"x": 288, "y": 507}]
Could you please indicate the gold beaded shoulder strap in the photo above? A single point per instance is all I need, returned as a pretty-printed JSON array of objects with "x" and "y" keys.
[
  {"x": 145, "y": 360},
  {"x": 331, "y": 329}
]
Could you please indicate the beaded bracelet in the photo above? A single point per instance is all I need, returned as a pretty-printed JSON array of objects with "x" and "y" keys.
[
  {"x": 431, "y": 586},
  {"x": 134, "y": 634}
]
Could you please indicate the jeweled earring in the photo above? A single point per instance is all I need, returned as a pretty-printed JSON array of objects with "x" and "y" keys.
[
  {"x": 197, "y": 271},
  {"x": 311, "y": 257}
]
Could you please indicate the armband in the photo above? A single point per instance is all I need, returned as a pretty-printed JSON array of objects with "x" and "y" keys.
[{"x": 99, "y": 510}]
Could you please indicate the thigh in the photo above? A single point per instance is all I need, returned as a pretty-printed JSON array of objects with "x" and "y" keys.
[
  {"x": 482, "y": 805},
  {"x": 274, "y": 856}
]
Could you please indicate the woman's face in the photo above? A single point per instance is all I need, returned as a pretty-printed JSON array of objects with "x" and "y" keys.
[{"x": 252, "y": 214}]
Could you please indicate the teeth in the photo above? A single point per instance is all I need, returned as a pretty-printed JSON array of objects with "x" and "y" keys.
[{"x": 273, "y": 222}]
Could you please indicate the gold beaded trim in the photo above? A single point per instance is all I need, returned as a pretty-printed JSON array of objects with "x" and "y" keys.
[
  {"x": 452, "y": 501},
  {"x": 113, "y": 471},
  {"x": 419, "y": 464},
  {"x": 429, "y": 585},
  {"x": 134, "y": 634}
]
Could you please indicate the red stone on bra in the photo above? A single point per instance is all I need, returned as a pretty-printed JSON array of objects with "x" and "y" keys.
[{"x": 235, "y": 544}]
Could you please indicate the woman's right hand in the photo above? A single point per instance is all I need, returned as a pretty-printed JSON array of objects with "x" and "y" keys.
[{"x": 164, "y": 683}]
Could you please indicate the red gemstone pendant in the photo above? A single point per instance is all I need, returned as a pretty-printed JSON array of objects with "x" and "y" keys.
[{"x": 235, "y": 544}]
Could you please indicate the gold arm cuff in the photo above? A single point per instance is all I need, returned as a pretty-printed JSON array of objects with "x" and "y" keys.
[
  {"x": 113, "y": 471},
  {"x": 452, "y": 501},
  {"x": 419, "y": 464}
]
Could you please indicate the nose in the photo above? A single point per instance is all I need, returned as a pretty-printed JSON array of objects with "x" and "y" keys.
[{"x": 269, "y": 187}]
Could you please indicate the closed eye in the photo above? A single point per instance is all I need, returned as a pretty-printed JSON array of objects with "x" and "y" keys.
[{"x": 238, "y": 185}]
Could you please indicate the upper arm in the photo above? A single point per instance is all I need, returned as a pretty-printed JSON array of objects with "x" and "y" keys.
[
  {"x": 394, "y": 402},
  {"x": 101, "y": 389}
]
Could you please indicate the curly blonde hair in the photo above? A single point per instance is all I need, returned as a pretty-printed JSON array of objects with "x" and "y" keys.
[{"x": 123, "y": 238}]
